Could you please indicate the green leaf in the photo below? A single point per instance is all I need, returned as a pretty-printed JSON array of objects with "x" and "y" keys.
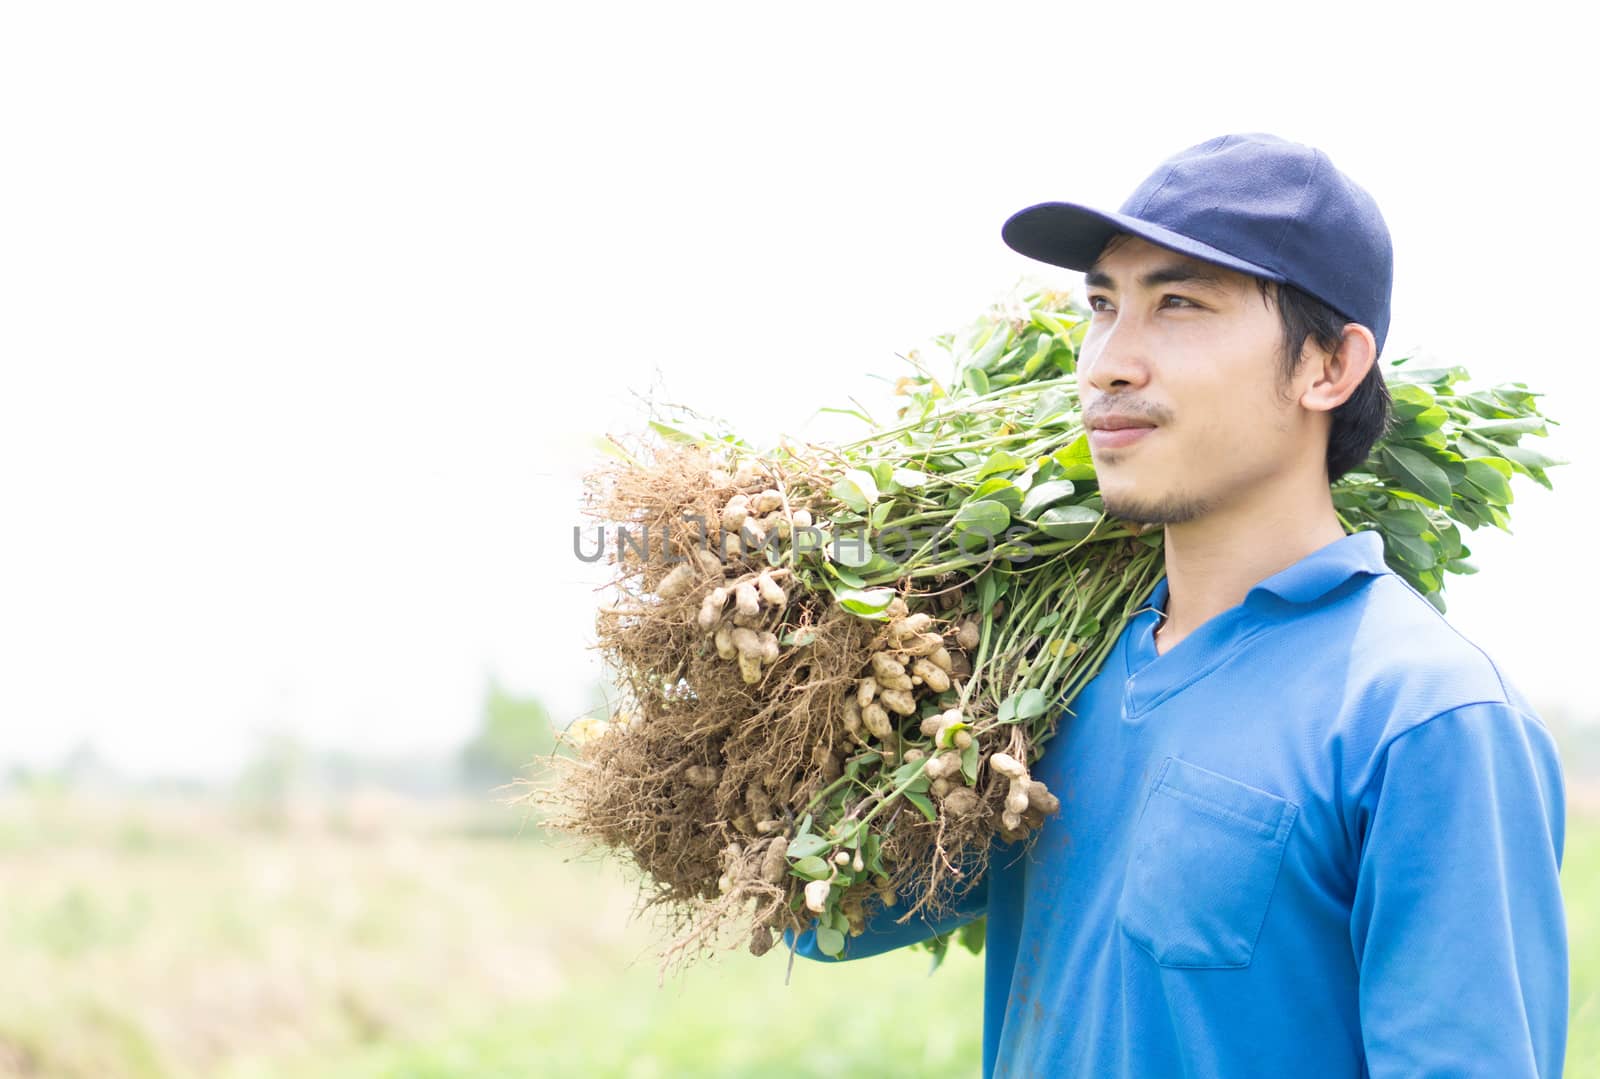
[
  {"x": 1001, "y": 490},
  {"x": 1500, "y": 430},
  {"x": 858, "y": 489},
  {"x": 994, "y": 345},
  {"x": 976, "y": 380},
  {"x": 909, "y": 477},
  {"x": 969, "y": 762},
  {"x": 1000, "y": 461},
  {"x": 1529, "y": 458},
  {"x": 879, "y": 564},
  {"x": 1052, "y": 322},
  {"x": 1467, "y": 513},
  {"x": 866, "y": 603},
  {"x": 854, "y": 549},
  {"x": 972, "y": 935},
  {"x": 829, "y": 940},
  {"x": 1483, "y": 474},
  {"x": 922, "y": 802},
  {"x": 1407, "y": 522},
  {"x": 1407, "y": 401},
  {"x": 1418, "y": 473},
  {"x": 1068, "y": 522},
  {"x": 850, "y": 494},
  {"x": 1007, "y": 712},
  {"x": 1046, "y": 494},
  {"x": 1076, "y": 460},
  {"x": 989, "y": 590},
  {"x": 672, "y": 434},
  {"x": 835, "y": 917},
  {"x": 1443, "y": 376},
  {"x": 1047, "y": 348},
  {"x": 1486, "y": 405},
  {"x": 1053, "y": 407},
  {"x": 1418, "y": 553},
  {"x": 1429, "y": 419},
  {"x": 1517, "y": 397},
  {"x": 811, "y": 867},
  {"x": 806, "y": 845},
  {"x": 1450, "y": 542},
  {"x": 882, "y": 475},
  {"x": 984, "y": 515},
  {"x": 1031, "y": 703},
  {"x": 853, "y": 768},
  {"x": 871, "y": 853},
  {"x": 905, "y": 772}
]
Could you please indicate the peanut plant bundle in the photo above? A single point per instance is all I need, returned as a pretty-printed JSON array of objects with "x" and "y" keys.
[{"x": 837, "y": 664}]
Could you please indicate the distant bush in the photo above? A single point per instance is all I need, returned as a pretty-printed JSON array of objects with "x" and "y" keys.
[{"x": 515, "y": 731}]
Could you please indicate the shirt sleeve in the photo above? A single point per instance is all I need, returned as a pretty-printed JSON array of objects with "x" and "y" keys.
[
  {"x": 1457, "y": 923},
  {"x": 885, "y": 932}
]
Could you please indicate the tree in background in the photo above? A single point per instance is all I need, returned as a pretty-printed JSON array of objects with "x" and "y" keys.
[
  {"x": 277, "y": 772},
  {"x": 515, "y": 730}
]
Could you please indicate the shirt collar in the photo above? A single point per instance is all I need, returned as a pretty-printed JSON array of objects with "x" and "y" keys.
[
  {"x": 1324, "y": 569},
  {"x": 1315, "y": 575},
  {"x": 1152, "y": 678}
]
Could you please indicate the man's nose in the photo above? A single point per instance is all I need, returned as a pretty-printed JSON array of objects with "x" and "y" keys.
[{"x": 1115, "y": 360}]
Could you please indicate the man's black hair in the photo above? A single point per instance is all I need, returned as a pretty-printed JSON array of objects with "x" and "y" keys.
[{"x": 1364, "y": 416}]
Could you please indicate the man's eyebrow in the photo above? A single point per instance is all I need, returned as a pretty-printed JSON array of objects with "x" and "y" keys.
[{"x": 1176, "y": 273}]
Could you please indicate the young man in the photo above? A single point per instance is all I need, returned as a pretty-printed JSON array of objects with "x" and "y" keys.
[{"x": 1307, "y": 828}]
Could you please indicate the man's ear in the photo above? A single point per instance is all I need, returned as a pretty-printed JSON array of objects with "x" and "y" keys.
[{"x": 1336, "y": 374}]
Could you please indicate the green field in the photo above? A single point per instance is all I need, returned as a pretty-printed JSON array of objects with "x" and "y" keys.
[{"x": 388, "y": 939}]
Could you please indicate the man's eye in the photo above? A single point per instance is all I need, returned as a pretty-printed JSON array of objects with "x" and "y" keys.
[
  {"x": 1095, "y": 301},
  {"x": 1185, "y": 301}
]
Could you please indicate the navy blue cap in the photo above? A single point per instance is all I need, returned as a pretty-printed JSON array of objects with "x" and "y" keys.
[{"x": 1255, "y": 203}]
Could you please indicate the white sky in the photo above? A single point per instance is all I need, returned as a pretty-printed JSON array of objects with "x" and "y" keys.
[{"x": 308, "y": 311}]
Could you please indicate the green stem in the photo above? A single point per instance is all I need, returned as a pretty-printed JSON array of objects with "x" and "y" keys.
[
  {"x": 892, "y": 795},
  {"x": 824, "y": 792}
]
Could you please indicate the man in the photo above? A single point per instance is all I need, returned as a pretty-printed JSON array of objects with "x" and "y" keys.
[{"x": 1307, "y": 828}]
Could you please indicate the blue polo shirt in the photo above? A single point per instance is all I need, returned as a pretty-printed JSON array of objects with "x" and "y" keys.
[{"x": 1320, "y": 836}]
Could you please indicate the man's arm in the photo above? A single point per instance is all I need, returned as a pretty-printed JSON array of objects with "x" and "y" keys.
[
  {"x": 1457, "y": 923},
  {"x": 884, "y": 933}
]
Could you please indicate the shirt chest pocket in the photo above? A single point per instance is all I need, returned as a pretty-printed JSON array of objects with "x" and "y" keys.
[{"x": 1202, "y": 867}]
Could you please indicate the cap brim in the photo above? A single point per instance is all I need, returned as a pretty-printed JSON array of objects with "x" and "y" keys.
[{"x": 1065, "y": 234}]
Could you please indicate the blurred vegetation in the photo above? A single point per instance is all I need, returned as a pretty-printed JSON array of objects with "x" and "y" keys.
[
  {"x": 515, "y": 731},
  {"x": 156, "y": 938},
  {"x": 302, "y": 919}
]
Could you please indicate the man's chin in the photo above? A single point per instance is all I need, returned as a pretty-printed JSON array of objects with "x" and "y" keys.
[
  {"x": 1142, "y": 513},
  {"x": 1126, "y": 505}
]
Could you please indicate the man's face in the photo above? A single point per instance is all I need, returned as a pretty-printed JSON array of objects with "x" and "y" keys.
[{"x": 1193, "y": 349}]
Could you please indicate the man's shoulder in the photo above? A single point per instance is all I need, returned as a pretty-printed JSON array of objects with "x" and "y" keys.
[{"x": 1408, "y": 664}]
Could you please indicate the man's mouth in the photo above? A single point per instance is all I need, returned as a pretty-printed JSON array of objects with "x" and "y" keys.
[{"x": 1116, "y": 437}]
